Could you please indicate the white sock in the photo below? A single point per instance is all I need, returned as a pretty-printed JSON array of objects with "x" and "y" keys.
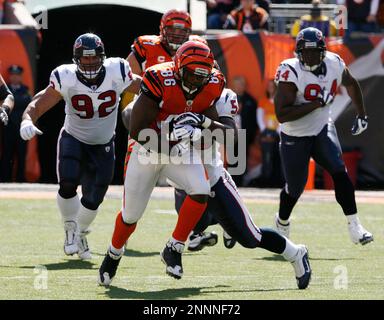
[
  {"x": 283, "y": 222},
  {"x": 85, "y": 217},
  {"x": 178, "y": 245},
  {"x": 290, "y": 250},
  {"x": 69, "y": 208},
  {"x": 353, "y": 218},
  {"x": 116, "y": 252}
]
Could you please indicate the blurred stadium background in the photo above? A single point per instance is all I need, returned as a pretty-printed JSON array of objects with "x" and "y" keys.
[{"x": 253, "y": 55}]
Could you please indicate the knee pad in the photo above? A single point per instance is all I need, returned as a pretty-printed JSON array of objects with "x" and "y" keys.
[
  {"x": 67, "y": 189},
  {"x": 129, "y": 216},
  {"x": 89, "y": 204},
  {"x": 94, "y": 197}
]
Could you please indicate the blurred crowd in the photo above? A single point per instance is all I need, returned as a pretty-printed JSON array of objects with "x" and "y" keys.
[{"x": 251, "y": 15}]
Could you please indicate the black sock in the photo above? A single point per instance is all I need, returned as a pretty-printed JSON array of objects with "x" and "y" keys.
[
  {"x": 286, "y": 205},
  {"x": 272, "y": 241},
  {"x": 345, "y": 192}
]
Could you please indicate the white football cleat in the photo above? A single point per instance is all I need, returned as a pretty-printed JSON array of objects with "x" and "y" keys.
[
  {"x": 358, "y": 234},
  {"x": 70, "y": 242},
  {"x": 283, "y": 229},
  {"x": 82, "y": 243},
  {"x": 198, "y": 241},
  {"x": 302, "y": 268}
]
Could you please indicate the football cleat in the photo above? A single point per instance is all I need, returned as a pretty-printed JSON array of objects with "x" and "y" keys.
[
  {"x": 281, "y": 228},
  {"x": 358, "y": 234},
  {"x": 70, "y": 242},
  {"x": 108, "y": 268},
  {"x": 302, "y": 267},
  {"x": 200, "y": 240},
  {"x": 82, "y": 243},
  {"x": 229, "y": 242},
  {"x": 171, "y": 257}
]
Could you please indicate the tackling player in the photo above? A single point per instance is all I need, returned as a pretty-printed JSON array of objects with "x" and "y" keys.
[
  {"x": 306, "y": 88},
  {"x": 91, "y": 88},
  {"x": 226, "y": 206}
]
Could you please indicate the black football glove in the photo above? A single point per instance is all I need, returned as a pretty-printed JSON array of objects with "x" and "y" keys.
[
  {"x": 325, "y": 97},
  {"x": 359, "y": 125},
  {"x": 193, "y": 119}
]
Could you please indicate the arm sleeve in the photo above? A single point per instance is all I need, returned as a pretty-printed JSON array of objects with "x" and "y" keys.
[
  {"x": 55, "y": 81},
  {"x": 227, "y": 105},
  {"x": 151, "y": 86},
  {"x": 286, "y": 73},
  {"x": 126, "y": 73},
  {"x": 138, "y": 50}
]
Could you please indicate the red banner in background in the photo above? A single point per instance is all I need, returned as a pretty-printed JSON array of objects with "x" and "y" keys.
[{"x": 19, "y": 47}]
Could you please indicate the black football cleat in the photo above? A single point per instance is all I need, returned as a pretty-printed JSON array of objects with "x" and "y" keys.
[
  {"x": 108, "y": 269},
  {"x": 171, "y": 257}
]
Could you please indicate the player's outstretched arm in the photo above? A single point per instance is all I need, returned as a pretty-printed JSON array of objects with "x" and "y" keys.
[
  {"x": 6, "y": 101},
  {"x": 135, "y": 65},
  {"x": 354, "y": 91},
  {"x": 41, "y": 103},
  {"x": 285, "y": 107},
  {"x": 134, "y": 87}
]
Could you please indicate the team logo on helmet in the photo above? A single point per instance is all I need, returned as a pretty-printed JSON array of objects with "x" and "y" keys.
[
  {"x": 98, "y": 42},
  {"x": 78, "y": 43}
]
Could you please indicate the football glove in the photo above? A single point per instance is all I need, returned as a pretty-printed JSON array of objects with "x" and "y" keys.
[
  {"x": 180, "y": 148},
  {"x": 325, "y": 97},
  {"x": 359, "y": 125},
  {"x": 28, "y": 130},
  {"x": 182, "y": 132},
  {"x": 193, "y": 119},
  {"x": 3, "y": 116}
]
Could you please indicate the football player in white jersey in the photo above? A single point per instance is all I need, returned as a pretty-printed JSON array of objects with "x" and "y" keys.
[
  {"x": 306, "y": 87},
  {"x": 91, "y": 88},
  {"x": 226, "y": 207}
]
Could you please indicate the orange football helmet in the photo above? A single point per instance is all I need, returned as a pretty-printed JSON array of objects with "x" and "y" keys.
[
  {"x": 194, "y": 62},
  {"x": 175, "y": 28}
]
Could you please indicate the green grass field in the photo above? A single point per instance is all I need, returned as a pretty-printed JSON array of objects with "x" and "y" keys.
[{"x": 31, "y": 235}]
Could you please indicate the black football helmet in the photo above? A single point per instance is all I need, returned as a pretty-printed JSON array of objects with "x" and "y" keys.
[
  {"x": 89, "y": 45},
  {"x": 310, "y": 48}
]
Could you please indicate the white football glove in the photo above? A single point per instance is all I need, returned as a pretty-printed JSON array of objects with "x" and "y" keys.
[
  {"x": 3, "y": 116},
  {"x": 179, "y": 149},
  {"x": 182, "y": 132},
  {"x": 28, "y": 130},
  {"x": 359, "y": 125},
  {"x": 326, "y": 97},
  {"x": 193, "y": 119}
]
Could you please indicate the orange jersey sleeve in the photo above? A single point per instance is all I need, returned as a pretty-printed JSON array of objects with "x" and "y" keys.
[{"x": 149, "y": 51}]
